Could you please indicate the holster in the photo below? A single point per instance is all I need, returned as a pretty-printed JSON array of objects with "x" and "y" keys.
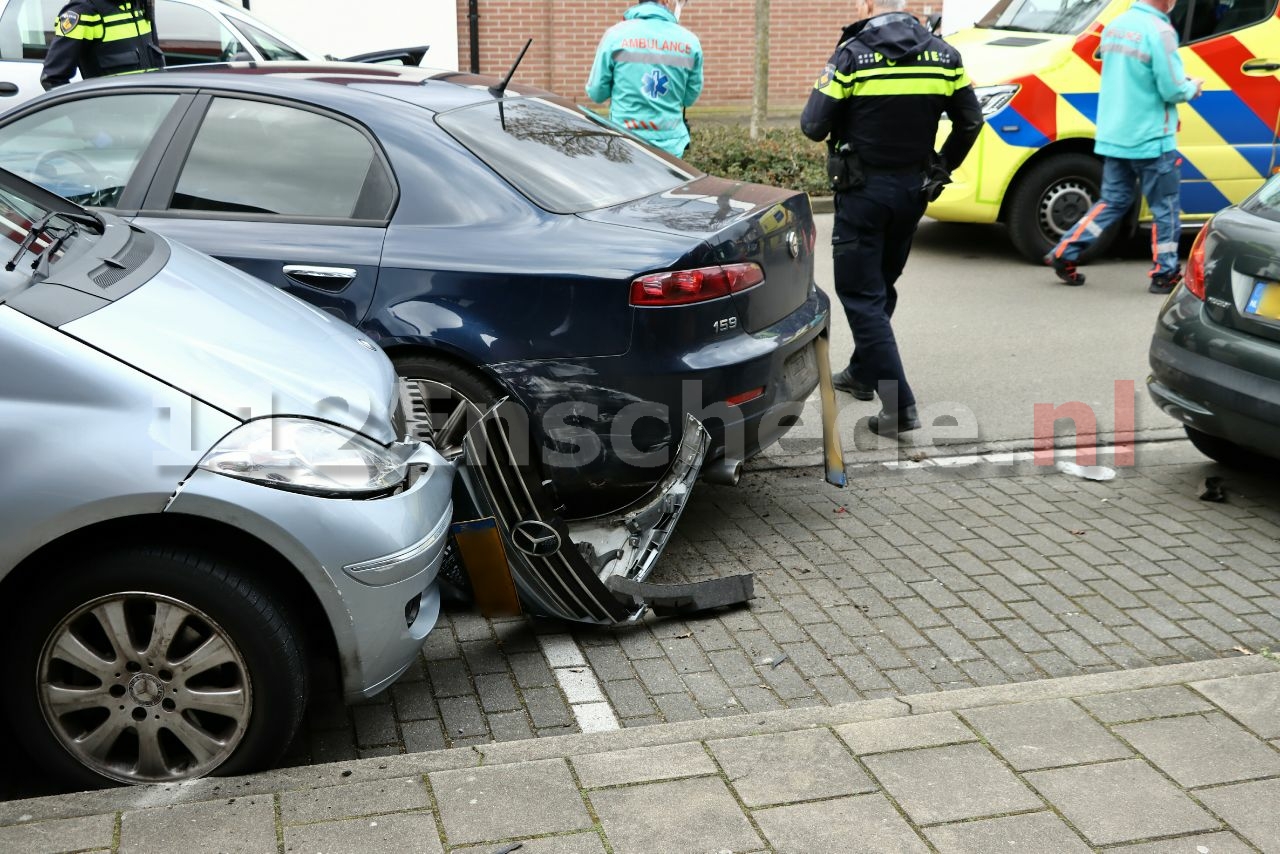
[{"x": 844, "y": 169}]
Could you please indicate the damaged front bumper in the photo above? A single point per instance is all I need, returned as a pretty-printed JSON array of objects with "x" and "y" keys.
[{"x": 589, "y": 570}]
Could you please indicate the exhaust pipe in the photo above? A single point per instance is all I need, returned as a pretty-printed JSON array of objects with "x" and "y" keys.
[{"x": 723, "y": 471}]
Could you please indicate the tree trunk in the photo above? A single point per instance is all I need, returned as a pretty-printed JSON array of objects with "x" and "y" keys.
[{"x": 760, "y": 93}]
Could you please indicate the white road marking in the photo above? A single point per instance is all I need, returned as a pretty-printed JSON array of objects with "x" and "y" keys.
[{"x": 579, "y": 684}]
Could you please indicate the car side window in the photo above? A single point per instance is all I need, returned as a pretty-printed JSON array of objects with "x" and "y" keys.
[
  {"x": 189, "y": 35},
  {"x": 261, "y": 158},
  {"x": 26, "y": 28},
  {"x": 85, "y": 150},
  {"x": 268, "y": 45}
]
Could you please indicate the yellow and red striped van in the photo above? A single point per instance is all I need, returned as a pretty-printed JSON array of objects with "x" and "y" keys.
[{"x": 1036, "y": 71}]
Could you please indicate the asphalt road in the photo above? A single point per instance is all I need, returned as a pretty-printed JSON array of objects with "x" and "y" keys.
[{"x": 986, "y": 336}]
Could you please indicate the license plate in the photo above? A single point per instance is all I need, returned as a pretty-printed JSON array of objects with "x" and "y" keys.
[
  {"x": 800, "y": 372},
  {"x": 1264, "y": 301}
]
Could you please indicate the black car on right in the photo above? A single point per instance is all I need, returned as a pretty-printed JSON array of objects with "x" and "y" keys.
[{"x": 1215, "y": 354}]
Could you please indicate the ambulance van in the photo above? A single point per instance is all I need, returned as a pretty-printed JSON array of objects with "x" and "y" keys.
[{"x": 1035, "y": 68}]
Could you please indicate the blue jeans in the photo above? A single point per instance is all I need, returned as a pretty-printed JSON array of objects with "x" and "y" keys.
[{"x": 1160, "y": 180}]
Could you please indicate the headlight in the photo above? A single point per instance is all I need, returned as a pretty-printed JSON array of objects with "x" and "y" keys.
[
  {"x": 305, "y": 456},
  {"x": 992, "y": 99}
]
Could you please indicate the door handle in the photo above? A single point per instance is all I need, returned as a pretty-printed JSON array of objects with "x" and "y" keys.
[
  {"x": 332, "y": 279},
  {"x": 1261, "y": 65},
  {"x": 7, "y": 89}
]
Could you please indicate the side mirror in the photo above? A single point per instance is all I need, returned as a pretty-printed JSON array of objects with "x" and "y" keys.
[{"x": 935, "y": 24}]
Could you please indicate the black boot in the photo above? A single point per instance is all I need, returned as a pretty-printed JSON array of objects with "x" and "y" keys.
[{"x": 888, "y": 425}]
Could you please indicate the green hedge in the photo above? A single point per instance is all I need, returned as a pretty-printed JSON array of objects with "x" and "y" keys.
[{"x": 783, "y": 157}]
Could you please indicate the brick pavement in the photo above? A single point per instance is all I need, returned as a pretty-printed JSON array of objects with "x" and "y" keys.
[
  {"x": 1181, "y": 757},
  {"x": 910, "y": 581}
]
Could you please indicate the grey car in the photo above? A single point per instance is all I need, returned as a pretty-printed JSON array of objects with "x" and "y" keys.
[
  {"x": 1215, "y": 354},
  {"x": 207, "y": 486}
]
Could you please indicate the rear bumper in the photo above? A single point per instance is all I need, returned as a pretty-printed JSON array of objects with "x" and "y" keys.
[
  {"x": 564, "y": 569},
  {"x": 1212, "y": 394},
  {"x": 609, "y": 426}
]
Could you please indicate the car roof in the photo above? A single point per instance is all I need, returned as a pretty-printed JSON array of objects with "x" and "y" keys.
[{"x": 333, "y": 83}]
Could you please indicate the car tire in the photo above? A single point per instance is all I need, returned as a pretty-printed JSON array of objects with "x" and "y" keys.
[
  {"x": 151, "y": 665},
  {"x": 1228, "y": 453},
  {"x": 1050, "y": 198},
  {"x": 450, "y": 398}
]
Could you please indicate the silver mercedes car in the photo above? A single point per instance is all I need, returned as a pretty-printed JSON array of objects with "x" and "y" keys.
[{"x": 207, "y": 485}]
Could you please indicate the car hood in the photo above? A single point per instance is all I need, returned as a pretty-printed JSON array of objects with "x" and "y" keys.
[{"x": 242, "y": 346}]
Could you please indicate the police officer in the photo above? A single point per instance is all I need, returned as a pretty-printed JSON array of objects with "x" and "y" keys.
[
  {"x": 100, "y": 38},
  {"x": 877, "y": 103},
  {"x": 649, "y": 68}
]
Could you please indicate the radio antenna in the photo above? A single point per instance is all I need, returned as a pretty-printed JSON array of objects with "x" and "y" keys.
[{"x": 497, "y": 91}]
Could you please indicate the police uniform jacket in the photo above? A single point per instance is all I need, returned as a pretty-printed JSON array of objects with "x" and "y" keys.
[
  {"x": 884, "y": 90},
  {"x": 100, "y": 38}
]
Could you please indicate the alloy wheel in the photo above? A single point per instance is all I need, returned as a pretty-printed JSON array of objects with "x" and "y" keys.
[{"x": 144, "y": 688}]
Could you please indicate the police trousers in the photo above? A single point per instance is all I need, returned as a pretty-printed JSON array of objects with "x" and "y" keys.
[{"x": 874, "y": 226}]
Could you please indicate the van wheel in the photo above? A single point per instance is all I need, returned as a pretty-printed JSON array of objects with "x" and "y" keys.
[
  {"x": 1052, "y": 197},
  {"x": 152, "y": 665},
  {"x": 448, "y": 399}
]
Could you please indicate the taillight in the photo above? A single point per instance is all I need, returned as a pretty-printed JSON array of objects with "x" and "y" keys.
[
  {"x": 1193, "y": 278},
  {"x": 680, "y": 287}
]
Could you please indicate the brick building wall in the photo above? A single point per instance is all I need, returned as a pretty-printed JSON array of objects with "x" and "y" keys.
[{"x": 802, "y": 35}]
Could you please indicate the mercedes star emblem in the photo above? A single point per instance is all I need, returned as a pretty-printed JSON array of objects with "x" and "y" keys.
[{"x": 535, "y": 538}]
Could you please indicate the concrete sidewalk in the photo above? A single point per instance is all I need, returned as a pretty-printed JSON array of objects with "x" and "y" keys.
[{"x": 1183, "y": 757}]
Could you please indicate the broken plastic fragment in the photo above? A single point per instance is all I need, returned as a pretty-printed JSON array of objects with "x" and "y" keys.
[{"x": 1086, "y": 472}]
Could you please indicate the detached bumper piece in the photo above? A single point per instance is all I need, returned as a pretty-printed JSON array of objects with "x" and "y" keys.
[{"x": 587, "y": 570}]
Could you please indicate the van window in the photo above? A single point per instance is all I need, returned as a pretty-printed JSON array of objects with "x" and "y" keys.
[{"x": 1194, "y": 20}]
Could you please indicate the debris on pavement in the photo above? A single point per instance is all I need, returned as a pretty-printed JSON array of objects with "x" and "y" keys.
[{"x": 1086, "y": 472}]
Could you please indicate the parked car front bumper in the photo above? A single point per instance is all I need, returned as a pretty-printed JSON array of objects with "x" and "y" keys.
[{"x": 371, "y": 563}]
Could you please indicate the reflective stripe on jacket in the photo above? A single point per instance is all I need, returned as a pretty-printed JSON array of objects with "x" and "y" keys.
[
  {"x": 1142, "y": 82},
  {"x": 884, "y": 90},
  {"x": 100, "y": 38},
  {"x": 649, "y": 68}
]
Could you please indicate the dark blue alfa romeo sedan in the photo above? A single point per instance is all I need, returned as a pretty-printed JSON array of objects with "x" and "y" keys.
[{"x": 497, "y": 243}]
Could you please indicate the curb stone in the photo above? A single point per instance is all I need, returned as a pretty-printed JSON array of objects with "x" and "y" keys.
[{"x": 559, "y": 747}]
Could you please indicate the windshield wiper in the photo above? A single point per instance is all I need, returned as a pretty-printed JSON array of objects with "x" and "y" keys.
[{"x": 41, "y": 226}]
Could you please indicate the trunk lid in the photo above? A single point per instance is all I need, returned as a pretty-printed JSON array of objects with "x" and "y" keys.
[
  {"x": 1242, "y": 273},
  {"x": 735, "y": 222}
]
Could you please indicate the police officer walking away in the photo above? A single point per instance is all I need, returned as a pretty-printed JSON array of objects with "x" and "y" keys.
[
  {"x": 649, "y": 68},
  {"x": 100, "y": 38},
  {"x": 877, "y": 104}
]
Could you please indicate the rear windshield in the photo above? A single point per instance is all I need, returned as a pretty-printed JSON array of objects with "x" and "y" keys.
[
  {"x": 561, "y": 159},
  {"x": 1266, "y": 202}
]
